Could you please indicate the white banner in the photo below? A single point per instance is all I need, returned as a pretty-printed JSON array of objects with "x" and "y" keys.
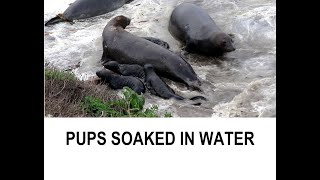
[{"x": 239, "y": 149}]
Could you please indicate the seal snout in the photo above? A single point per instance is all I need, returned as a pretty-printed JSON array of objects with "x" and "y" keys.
[
  {"x": 128, "y": 21},
  {"x": 112, "y": 65},
  {"x": 227, "y": 45},
  {"x": 103, "y": 72},
  {"x": 148, "y": 66},
  {"x": 99, "y": 74},
  {"x": 232, "y": 48}
]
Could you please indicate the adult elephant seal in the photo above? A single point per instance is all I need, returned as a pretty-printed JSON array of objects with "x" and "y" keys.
[
  {"x": 158, "y": 87},
  {"x": 125, "y": 48},
  {"x": 193, "y": 26},
  {"x": 125, "y": 69},
  {"x": 82, "y": 9},
  {"x": 117, "y": 81}
]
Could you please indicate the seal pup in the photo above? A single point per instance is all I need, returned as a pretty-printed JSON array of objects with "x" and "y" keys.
[
  {"x": 192, "y": 26},
  {"x": 125, "y": 69},
  {"x": 158, "y": 87},
  {"x": 126, "y": 48},
  {"x": 158, "y": 41},
  {"x": 117, "y": 81},
  {"x": 82, "y": 9}
]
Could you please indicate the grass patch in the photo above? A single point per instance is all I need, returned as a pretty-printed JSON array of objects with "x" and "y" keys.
[
  {"x": 131, "y": 105},
  {"x": 66, "y": 96},
  {"x": 51, "y": 74}
]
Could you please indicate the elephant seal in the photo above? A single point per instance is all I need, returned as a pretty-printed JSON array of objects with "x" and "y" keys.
[
  {"x": 191, "y": 25},
  {"x": 125, "y": 48},
  {"x": 117, "y": 81},
  {"x": 158, "y": 87},
  {"x": 125, "y": 69},
  {"x": 82, "y": 9}
]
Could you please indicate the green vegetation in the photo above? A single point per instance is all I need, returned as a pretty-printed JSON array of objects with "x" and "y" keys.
[
  {"x": 66, "y": 96},
  {"x": 167, "y": 114},
  {"x": 131, "y": 105}
]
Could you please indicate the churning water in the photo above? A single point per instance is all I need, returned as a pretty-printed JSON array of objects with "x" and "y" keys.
[{"x": 241, "y": 84}]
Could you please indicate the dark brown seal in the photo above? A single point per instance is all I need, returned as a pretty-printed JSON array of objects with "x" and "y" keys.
[
  {"x": 81, "y": 9},
  {"x": 117, "y": 81},
  {"x": 125, "y": 69},
  {"x": 158, "y": 87},
  {"x": 191, "y": 25},
  {"x": 126, "y": 48}
]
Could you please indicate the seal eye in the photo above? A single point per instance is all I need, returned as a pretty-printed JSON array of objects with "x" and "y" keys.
[{"x": 224, "y": 42}]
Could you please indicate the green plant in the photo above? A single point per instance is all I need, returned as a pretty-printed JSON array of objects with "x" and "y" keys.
[
  {"x": 167, "y": 114},
  {"x": 149, "y": 112},
  {"x": 97, "y": 108},
  {"x": 131, "y": 105}
]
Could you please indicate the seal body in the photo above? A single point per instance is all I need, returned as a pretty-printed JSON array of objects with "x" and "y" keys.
[
  {"x": 125, "y": 69},
  {"x": 158, "y": 41},
  {"x": 81, "y": 9},
  {"x": 125, "y": 48},
  {"x": 156, "y": 86},
  {"x": 192, "y": 26},
  {"x": 116, "y": 81}
]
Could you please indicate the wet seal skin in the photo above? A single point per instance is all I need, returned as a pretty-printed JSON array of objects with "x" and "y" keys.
[
  {"x": 158, "y": 41},
  {"x": 192, "y": 26},
  {"x": 125, "y": 69},
  {"x": 158, "y": 87},
  {"x": 82, "y": 9},
  {"x": 126, "y": 48},
  {"x": 117, "y": 81}
]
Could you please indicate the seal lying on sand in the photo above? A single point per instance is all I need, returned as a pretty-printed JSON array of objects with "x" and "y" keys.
[
  {"x": 117, "y": 81},
  {"x": 126, "y": 48},
  {"x": 125, "y": 69},
  {"x": 159, "y": 88},
  {"x": 193, "y": 26},
  {"x": 81, "y": 9}
]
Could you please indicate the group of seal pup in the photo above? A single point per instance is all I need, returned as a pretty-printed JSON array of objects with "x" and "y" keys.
[{"x": 140, "y": 62}]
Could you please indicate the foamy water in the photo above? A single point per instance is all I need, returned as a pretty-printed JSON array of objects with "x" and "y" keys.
[{"x": 241, "y": 84}]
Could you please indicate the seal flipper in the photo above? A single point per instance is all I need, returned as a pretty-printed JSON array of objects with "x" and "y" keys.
[
  {"x": 178, "y": 97},
  {"x": 128, "y": 1},
  {"x": 149, "y": 87},
  {"x": 158, "y": 41},
  {"x": 198, "y": 100},
  {"x": 57, "y": 19},
  {"x": 198, "y": 97},
  {"x": 194, "y": 86},
  {"x": 54, "y": 20}
]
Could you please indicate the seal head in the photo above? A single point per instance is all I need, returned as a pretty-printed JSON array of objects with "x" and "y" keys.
[{"x": 223, "y": 42}]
